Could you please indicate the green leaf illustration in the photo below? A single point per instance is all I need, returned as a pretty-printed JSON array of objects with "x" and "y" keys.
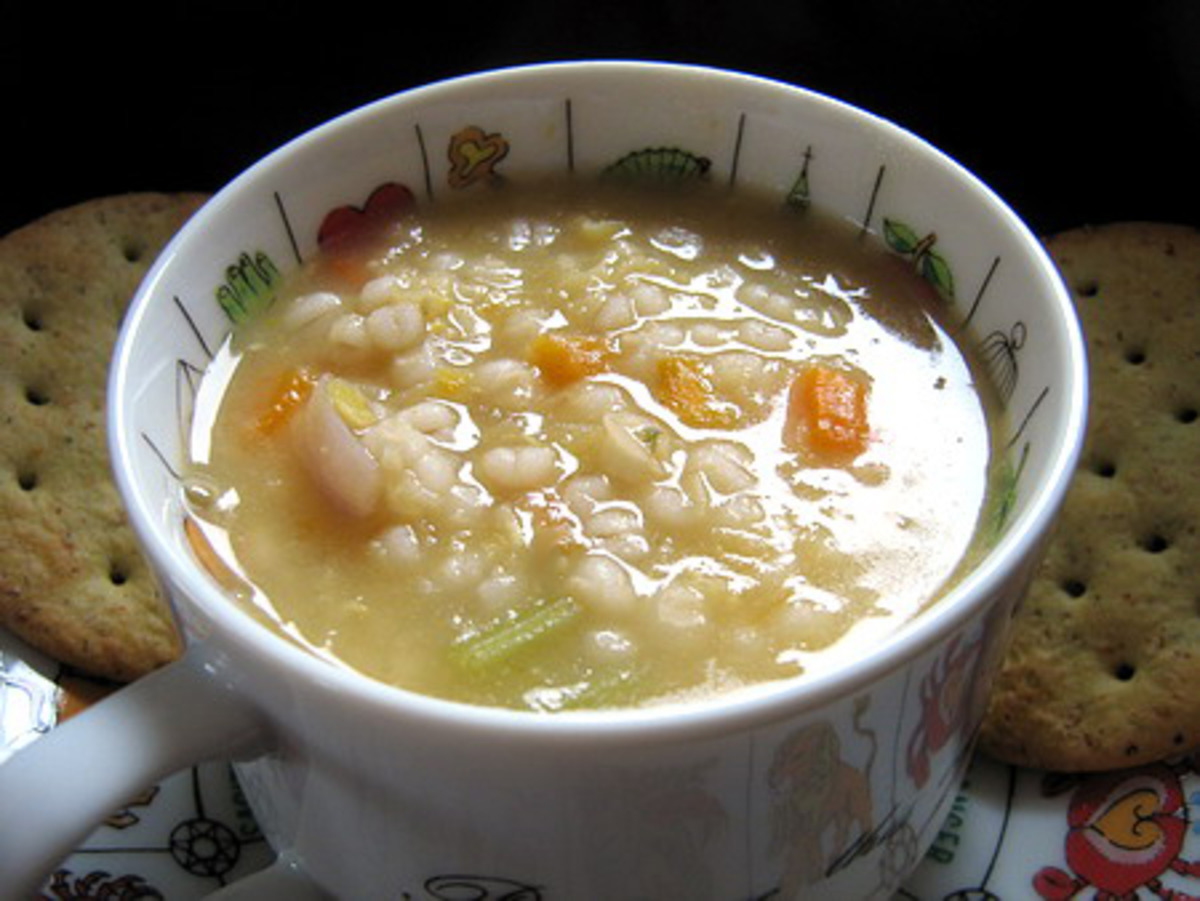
[
  {"x": 662, "y": 164},
  {"x": 249, "y": 286},
  {"x": 930, "y": 264},
  {"x": 900, "y": 237},
  {"x": 1006, "y": 480},
  {"x": 936, "y": 271}
]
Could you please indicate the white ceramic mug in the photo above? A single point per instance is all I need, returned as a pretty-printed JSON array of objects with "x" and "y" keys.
[{"x": 832, "y": 785}]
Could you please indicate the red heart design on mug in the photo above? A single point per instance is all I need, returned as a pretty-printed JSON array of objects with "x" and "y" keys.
[{"x": 346, "y": 223}]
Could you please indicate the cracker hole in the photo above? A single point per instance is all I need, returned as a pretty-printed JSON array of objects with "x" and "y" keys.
[
  {"x": 1088, "y": 288},
  {"x": 1106, "y": 469},
  {"x": 132, "y": 252},
  {"x": 32, "y": 320},
  {"x": 1075, "y": 588},
  {"x": 27, "y": 479},
  {"x": 1124, "y": 672},
  {"x": 1186, "y": 415},
  {"x": 1155, "y": 543},
  {"x": 118, "y": 573},
  {"x": 1135, "y": 356},
  {"x": 36, "y": 396}
]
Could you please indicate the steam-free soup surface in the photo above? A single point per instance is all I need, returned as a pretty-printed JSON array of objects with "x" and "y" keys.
[{"x": 569, "y": 447}]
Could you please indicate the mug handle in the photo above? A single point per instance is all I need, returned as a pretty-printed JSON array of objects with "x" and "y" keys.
[{"x": 57, "y": 790}]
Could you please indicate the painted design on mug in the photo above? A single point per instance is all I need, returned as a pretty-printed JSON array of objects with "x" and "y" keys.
[
  {"x": 249, "y": 285},
  {"x": 205, "y": 847},
  {"x": 659, "y": 164},
  {"x": 894, "y": 837},
  {"x": 1126, "y": 831},
  {"x": 129, "y": 816},
  {"x": 947, "y": 701},
  {"x": 999, "y": 353},
  {"x": 1009, "y": 475},
  {"x": 685, "y": 821},
  {"x": 799, "y": 196},
  {"x": 474, "y": 155},
  {"x": 98, "y": 884},
  {"x": 350, "y": 222},
  {"x": 212, "y": 851},
  {"x": 1006, "y": 478},
  {"x": 475, "y": 888},
  {"x": 921, "y": 250},
  {"x": 822, "y": 806},
  {"x": 680, "y": 824}
]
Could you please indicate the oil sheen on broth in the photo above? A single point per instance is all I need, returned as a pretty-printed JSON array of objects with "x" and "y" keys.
[{"x": 571, "y": 447}]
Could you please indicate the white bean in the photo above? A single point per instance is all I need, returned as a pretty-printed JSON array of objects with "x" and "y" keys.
[
  {"x": 500, "y": 591},
  {"x": 589, "y": 401},
  {"x": 518, "y": 468},
  {"x": 603, "y": 584},
  {"x": 460, "y": 568},
  {"x": 583, "y": 492},
  {"x": 396, "y": 326},
  {"x": 521, "y": 327},
  {"x": 629, "y": 546},
  {"x": 726, "y": 466},
  {"x": 737, "y": 372},
  {"x": 350, "y": 330},
  {"x": 431, "y": 417},
  {"x": 400, "y": 544},
  {"x": 382, "y": 290},
  {"x": 681, "y": 607},
  {"x": 706, "y": 334},
  {"x": 437, "y": 470},
  {"x": 394, "y": 437},
  {"x": 615, "y": 313},
  {"x": 668, "y": 507},
  {"x": 649, "y": 299},
  {"x": 507, "y": 383},
  {"x": 764, "y": 336},
  {"x": 613, "y": 521},
  {"x": 740, "y": 511},
  {"x": 308, "y": 308},
  {"x": 412, "y": 368}
]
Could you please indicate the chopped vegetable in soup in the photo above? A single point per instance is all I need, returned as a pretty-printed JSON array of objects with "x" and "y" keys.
[{"x": 570, "y": 447}]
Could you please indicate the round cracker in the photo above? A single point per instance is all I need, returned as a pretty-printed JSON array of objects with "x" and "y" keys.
[
  {"x": 72, "y": 581},
  {"x": 1105, "y": 653}
]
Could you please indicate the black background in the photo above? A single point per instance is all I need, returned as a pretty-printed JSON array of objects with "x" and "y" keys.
[{"x": 1074, "y": 114}]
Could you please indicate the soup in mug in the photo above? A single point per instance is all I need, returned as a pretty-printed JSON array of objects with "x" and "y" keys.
[{"x": 579, "y": 447}]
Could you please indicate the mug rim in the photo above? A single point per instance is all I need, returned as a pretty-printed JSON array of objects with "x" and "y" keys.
[{"x": 754, "y": 704}]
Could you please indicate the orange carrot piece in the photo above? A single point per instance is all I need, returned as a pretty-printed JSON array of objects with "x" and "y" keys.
[
  {"x": 346, "y": 270},
  {"x": 827, "y": 411},
  {"x": 289, "y": 395},
  {"x": 685, "y": 388},
  {"x": 564, "y": 359}
]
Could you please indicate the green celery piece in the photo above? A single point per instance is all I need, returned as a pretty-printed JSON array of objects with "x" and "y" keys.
[
  {"x": 501, "y": 641},
  {"x": 610, "y": 689}
]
